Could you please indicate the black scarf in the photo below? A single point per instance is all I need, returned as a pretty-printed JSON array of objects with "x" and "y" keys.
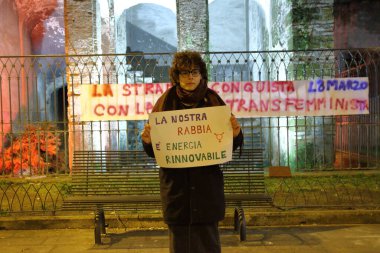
[{"x": 192, "y": 98}]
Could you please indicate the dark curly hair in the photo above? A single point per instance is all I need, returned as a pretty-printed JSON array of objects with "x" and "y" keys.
[{"x": 184, "y": 60}]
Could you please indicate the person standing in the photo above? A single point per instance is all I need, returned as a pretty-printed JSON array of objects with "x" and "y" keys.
[{"x": 192, "y": 198}]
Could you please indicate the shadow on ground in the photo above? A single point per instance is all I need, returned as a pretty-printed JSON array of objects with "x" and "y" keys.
[{"x": 265, "y": 236}]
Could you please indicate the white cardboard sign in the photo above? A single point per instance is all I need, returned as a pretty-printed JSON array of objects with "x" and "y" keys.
[{"x": 193, "y": 137}]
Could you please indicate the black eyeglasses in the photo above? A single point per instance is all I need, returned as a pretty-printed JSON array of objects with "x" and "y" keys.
[{"x": 193, "y": 72}]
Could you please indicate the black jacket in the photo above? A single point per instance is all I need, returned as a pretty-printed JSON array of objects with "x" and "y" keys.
[{"x": 192, "y": 195}]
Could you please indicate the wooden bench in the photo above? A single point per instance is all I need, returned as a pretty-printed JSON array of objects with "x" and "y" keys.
[{"x": 128, "y": 180}]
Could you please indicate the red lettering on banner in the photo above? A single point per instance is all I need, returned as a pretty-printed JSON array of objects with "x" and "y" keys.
[
  {"x": 141, "y": 108},
  {"x": 275, "y": 97},
  {"x": 282, "y": 86},
  {"x": 260, "y": 105},
  {"x": 148, "y": 107},
  {"x": 288, "y": 102},
  {"x": 354, "y": 105},
  {"x": 359, "y": 104},
  {"x": 123, "y": 110},
  {"x": 231, "y": 102},
  {"x": 264, "y": 105},
  {"x": 261, "y": 86},
  {"x": 276, "y": 105},
  {"x": 226, "y": 87},
  {"x": 252, "y": 105},
  {"x": 137, "y": 86},
  {"x": 297, "y": 103},
  {"x": 127, "y": 90},
  {"x": 98, "y": 110},
  {"x": 106, "y": 90},
  {"x": 310, "y": 103},
  {"x": 159, "y": 90},
  {"x": 112, "y": 110},
  {"x": 235, "y": 87},
  {"x": 215, "y": 86},
  {"x": 131, "y": 89},
  {"x": 95, "y": 92},
  {"x": 137, "y": 108},
  {"x": 341, "y": 103},
  {"x": 149, "y": 88},
  {"x": 248, "y": 87},
  {"x": 321, "y": 102},
  {"x": 251, "y": 87},
  {"x": 241, "y": 106},
  {"x": 155, "y": 88}
]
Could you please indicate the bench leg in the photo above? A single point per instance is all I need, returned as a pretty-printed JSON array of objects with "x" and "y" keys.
[
  {"x": 100, "y": 225},
  {"x": 236, "y": 220},
  {"x": 102, "y": 221},
  {"x": 240, "y": 224},
  {"x": 97, "y": 229}
]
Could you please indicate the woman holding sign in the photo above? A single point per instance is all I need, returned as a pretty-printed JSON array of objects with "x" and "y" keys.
[{"x": 192, "y": 198}]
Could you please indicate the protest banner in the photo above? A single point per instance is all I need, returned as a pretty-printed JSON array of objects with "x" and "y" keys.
[
  {"x": 101, "y": 102},
  {"x": 337, "y": 96},
  {"x": 193, "y": 137},
  {"x": 318, "y": 97}
]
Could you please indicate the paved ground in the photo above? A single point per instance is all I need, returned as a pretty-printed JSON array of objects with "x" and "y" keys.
[{"x": 294, "y": 239}]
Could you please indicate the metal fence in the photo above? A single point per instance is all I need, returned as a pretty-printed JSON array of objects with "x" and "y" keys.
[
  {"x": 322, "y": 190},
  {"x": 39, "y": 127}
]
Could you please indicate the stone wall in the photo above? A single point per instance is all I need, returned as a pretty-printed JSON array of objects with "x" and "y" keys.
[
  {"x": 281, "y": 28},
  {"x": 357, "y": 24},
  {"x": 192, "y": 25},
  {"x": 80, "y": 38},
  {"x": 313, "y": 24},
  {"x": 80, "y": 26},
  {"x": 302, "y": 24}
]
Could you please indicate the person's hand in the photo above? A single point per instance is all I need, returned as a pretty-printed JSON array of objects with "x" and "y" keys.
[
  {"x": 145, "y": 134},
  {"x": 235, "y": 126}
]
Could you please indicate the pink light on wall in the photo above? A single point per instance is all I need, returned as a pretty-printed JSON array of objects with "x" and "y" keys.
[
  {"x": 21, "y": 30},
  {"x": 32, "y": 14}
]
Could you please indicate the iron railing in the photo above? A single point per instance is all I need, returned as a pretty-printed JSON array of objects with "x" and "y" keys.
[
  {"x": 37, "y": 118},
  {"x": 323, "y": 190}
]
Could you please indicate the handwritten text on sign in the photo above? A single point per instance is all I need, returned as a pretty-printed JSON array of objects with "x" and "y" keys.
[
  {"x": 191, "y": 138},
  {"x": 337, "y": 96}
]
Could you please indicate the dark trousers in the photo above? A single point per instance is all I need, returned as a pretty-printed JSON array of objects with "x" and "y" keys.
[{"x": 195, "y": 238}]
